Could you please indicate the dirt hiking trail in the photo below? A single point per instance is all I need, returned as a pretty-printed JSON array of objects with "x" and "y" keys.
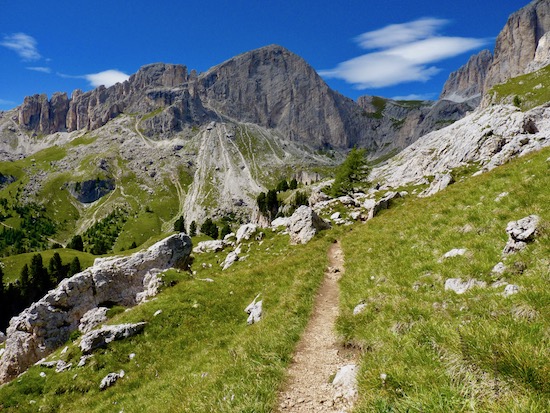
[{"x": 318, "y": 355}]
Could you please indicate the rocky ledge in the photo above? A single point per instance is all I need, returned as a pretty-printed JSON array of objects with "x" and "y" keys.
[{"x": 126, "y": 281}]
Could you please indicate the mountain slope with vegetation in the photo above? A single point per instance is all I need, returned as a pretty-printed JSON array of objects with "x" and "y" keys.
[
  {"x": 427, "y": 349},
  {"x": 422, "y": 348}
]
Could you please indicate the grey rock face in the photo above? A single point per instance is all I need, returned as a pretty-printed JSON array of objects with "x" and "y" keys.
[
  {"x": 100, "y": 338},
  {"x": 467, "y": 82},
  {"x": 91, "y": 190},
  {"x": 304, "y": 224},
  {"x": 48, "y": 323},
  {"x": 490, "y": 137},
  {"x": 517, "y": 43},
  {"x": 401, "y": 123},
  {"x": 92, "y": 319},
  {"x": 542, "y": 54}
]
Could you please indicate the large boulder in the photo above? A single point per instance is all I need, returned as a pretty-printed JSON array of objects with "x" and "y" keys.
[
  {"x": 48, "y": 323},
  {"x": 520, "y": 233},
  {"x": 304, "y": 224}
]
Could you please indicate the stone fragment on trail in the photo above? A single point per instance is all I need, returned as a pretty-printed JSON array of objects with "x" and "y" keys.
[{"x": 346, "y": 381}]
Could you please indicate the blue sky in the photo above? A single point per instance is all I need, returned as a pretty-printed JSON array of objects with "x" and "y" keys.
[{"x": 392, "y": 48}]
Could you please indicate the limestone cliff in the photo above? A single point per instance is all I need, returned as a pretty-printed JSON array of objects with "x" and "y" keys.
[
  {"x": 467, "y": 82},
  {"x": 516, "y": 45}
]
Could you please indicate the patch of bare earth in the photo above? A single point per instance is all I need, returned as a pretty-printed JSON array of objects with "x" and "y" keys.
[{"x": 319, "y": 356}]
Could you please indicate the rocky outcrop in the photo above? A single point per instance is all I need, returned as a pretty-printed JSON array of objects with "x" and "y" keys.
[
  {"x": 489, "y": 137},
  {"x": 304, "y": 224},
  {"x": 374, "y": 207},
  {"x": 6, "y": 180},
  {"x": 517, "y": 43},
  {"x": 100, "y": 338},
  {"x": 110, "y": 379},
  {"x": 542, "y": 54},
  {"x": 209, "y": 246},
  {"x": 91, "y": 190},
  {"x": 125, "y": 281},
  {"x": 42, "y": 115},
  {"x": 397, "y": 124},
  {"x": 467, "y": 82}
]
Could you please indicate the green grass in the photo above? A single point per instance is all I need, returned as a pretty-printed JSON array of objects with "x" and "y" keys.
[
  {"x": 528, "y": 90},
  {"x": 198, "y": 355},
  {"x": 14, "y": 263},
  {"x": 379, "y": 104},
  {"x": 441, "y": 351}
]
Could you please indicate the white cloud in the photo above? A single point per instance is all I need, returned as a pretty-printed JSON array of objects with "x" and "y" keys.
[
  {"x": 396, "y": 34},
  {"x": 6, "y": 102},
  {"x": 40, "y": 69},
  {"x": 408, "y": 52},
  {"x": 106, "y": 78},
  {"x": 22, "y": 44}
]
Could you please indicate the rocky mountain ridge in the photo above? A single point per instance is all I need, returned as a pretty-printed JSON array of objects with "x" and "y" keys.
[{"x": 521, "y": 47}]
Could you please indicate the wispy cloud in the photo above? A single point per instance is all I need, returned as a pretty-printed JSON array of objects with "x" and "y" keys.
[
  {"x": 22, "y": 44},
  {"x": 401, "y": 53},
  {"x": 6, "y": 102},
  {"x": 41, "y": 69}
]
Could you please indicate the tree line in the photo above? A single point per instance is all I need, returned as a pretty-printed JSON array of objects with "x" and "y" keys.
[{"x": 34, "y": 281}]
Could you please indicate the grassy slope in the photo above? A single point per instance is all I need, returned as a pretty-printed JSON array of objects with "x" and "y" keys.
[
  {"x": 532, "y": 89},
  {"x": 198, "y": 355},
  {"x": 444, "y": 352}
]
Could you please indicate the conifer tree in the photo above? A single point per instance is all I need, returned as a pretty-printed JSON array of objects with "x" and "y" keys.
[{"x": 75, "y": 266}]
